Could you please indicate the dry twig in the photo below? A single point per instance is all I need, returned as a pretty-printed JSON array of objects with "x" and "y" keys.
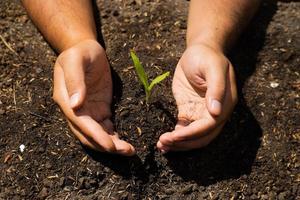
[{"x": 7, "y": 45}]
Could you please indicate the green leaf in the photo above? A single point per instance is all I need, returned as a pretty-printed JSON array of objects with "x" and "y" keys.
[
  {"x": 158, "y": 79},
  {"x": 139, "y": 70}
]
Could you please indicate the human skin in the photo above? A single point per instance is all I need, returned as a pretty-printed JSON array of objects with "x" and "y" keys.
[
  {"x": 82, "y": 77},
  {"x": 203, "y": 81},
  {"x": 204, "y": 84}
]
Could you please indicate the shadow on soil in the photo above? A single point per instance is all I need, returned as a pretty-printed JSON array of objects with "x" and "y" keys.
[{"x": 232, "y": 154}]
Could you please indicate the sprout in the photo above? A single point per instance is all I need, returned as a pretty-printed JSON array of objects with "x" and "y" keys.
[{"x": 143, "y": 77}]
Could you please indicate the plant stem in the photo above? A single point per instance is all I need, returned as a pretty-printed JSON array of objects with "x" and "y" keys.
[{"x": 147, "y": 95}]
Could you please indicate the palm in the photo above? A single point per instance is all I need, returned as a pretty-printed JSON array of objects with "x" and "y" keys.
[
  {"x": 99, "y": 94},
  {"x": 190, "y": 103}
]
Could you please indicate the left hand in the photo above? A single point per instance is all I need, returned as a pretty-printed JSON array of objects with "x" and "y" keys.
[{"x": 205, "y": 92}]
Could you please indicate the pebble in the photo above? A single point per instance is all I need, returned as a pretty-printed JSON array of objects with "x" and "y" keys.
[
  {"x": 282, "y": 196},
  {"x": 38, "y": 70},
  {"x": 124, "y": 113},
  {"x": 169, "y": 191},
  {"x": 274, "y": 84},
  {"x": 90, "y": 183},
  {"x": 187, "y": 189},
  {"x": 204, "y": 195},
  {"x": 43, "y": 193},
  {"x": 81, "y": 182},
  {"x": 47, "y": 183},
  {"x": 48, "y": 165},
  {"x": 253, "y": 196},
  {"x": 124, "y": 196},
  {"x": 22, "y": 148},
  {"x": 264, "y": 197},
  {"x": 68, "y": 188},
  {"x": 62, "y": 181},
  {"x": 2, "y": 111},
  {"x": 41, "y": 150}
]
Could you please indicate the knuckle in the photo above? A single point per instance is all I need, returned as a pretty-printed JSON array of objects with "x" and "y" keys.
[
  {"x": 178, "y": 138},
  {"x": 110, "y": 148},
  {"x": 126, "y": 150},
  {"x": 85, "y": 142}
]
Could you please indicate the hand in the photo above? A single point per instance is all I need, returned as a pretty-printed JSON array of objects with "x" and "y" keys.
[
  {"x": 205, "y": 92},
  {"x": 83, "y": 90}
]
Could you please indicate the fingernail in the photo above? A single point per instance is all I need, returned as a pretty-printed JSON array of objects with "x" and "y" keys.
[
  {"x": 74, "y": 100},
  {"x": 163, "y": 151},
  {"x": 216, "y": 105}
]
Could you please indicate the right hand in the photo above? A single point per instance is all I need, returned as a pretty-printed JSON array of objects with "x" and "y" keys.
[
  {"x": 205, "y": 92},
  {"x": 83, "y": 90}
]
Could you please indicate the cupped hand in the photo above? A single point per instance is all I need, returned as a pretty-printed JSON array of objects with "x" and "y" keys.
[
  {"x": 83, "y": 90},
  {"x": 205, "y": 92}
]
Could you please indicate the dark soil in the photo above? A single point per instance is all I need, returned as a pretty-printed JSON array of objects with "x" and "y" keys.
[{"x": 255, "y": 157}]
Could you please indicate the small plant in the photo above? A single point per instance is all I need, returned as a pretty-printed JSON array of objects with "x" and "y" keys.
[{"x": 143, "y": 77}]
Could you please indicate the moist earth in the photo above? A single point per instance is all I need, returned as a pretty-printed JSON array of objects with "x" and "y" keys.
[{"x": 256, "y": 156}]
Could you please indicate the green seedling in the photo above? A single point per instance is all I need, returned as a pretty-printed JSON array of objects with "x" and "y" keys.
[{"x": 143, "y": 77}]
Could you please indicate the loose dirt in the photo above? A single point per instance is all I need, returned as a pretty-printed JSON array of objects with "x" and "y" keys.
[{"x": 255, "y": 157}]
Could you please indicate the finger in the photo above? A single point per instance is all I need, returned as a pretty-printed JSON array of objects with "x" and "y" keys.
[
  {"x": 181, "y": 123},
  {"x": 194, "y": 130},
  {"x": 74, "y": 78},
  {"x": 191, "y": 144},
  {"x": 163, "y": 148},
  {"x": 83, "y": 139},
  {"x": 94, "y": 131},
  {"x": 88, "y": 126},
  {"x": 216, "y": 77},
  {"x": 122, "y": 147}
]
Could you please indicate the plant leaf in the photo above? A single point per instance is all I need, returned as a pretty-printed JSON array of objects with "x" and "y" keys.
[
  {"x": 139, "y": 70},
  {"x": 158, "y": 79}
]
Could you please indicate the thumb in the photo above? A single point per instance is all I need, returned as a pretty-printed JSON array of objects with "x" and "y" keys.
[
  {"x": 75, "y": 81},
  {"x": 216, "y": 77}
]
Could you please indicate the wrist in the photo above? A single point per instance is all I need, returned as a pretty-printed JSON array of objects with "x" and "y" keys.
[
  {"x": 213, "y": 43},
  {"x": 73, "y": 40},
  {"x": 89, "y": 44}
]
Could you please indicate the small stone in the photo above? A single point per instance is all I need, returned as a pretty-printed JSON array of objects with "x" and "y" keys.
[
  {"x": 62, "y": 181},
  {"x": 2, "y": 111},
  {"x": 41, "y": 150},
  {"x": 90, "y": 183},
  {"x": 272, "y": 195},
  {"x": 204, "y": 195},
  {"x": 48, "y": 165},
  {"x": 47, "y": 183},
  {"x": 124, "y": 196},
  {"x": 294, "y": 189},
  {"x": 43, "y": 193},
  {"x": 81, "y": 182},
  {"x": 169, "y": 191},
  {"x": 124, "y": 113},
  {"x": 23, "y": 192},
  {"x": 274, "y": 84},
  {"x": 68, "y": 188},
  {"x": 22, "y": 148},
  {"x": 38, "y": 70},
  {"x": 187, "y": 189},
  {"x": 264, "y": 197},
  {"x": 282, "y": 196}
]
